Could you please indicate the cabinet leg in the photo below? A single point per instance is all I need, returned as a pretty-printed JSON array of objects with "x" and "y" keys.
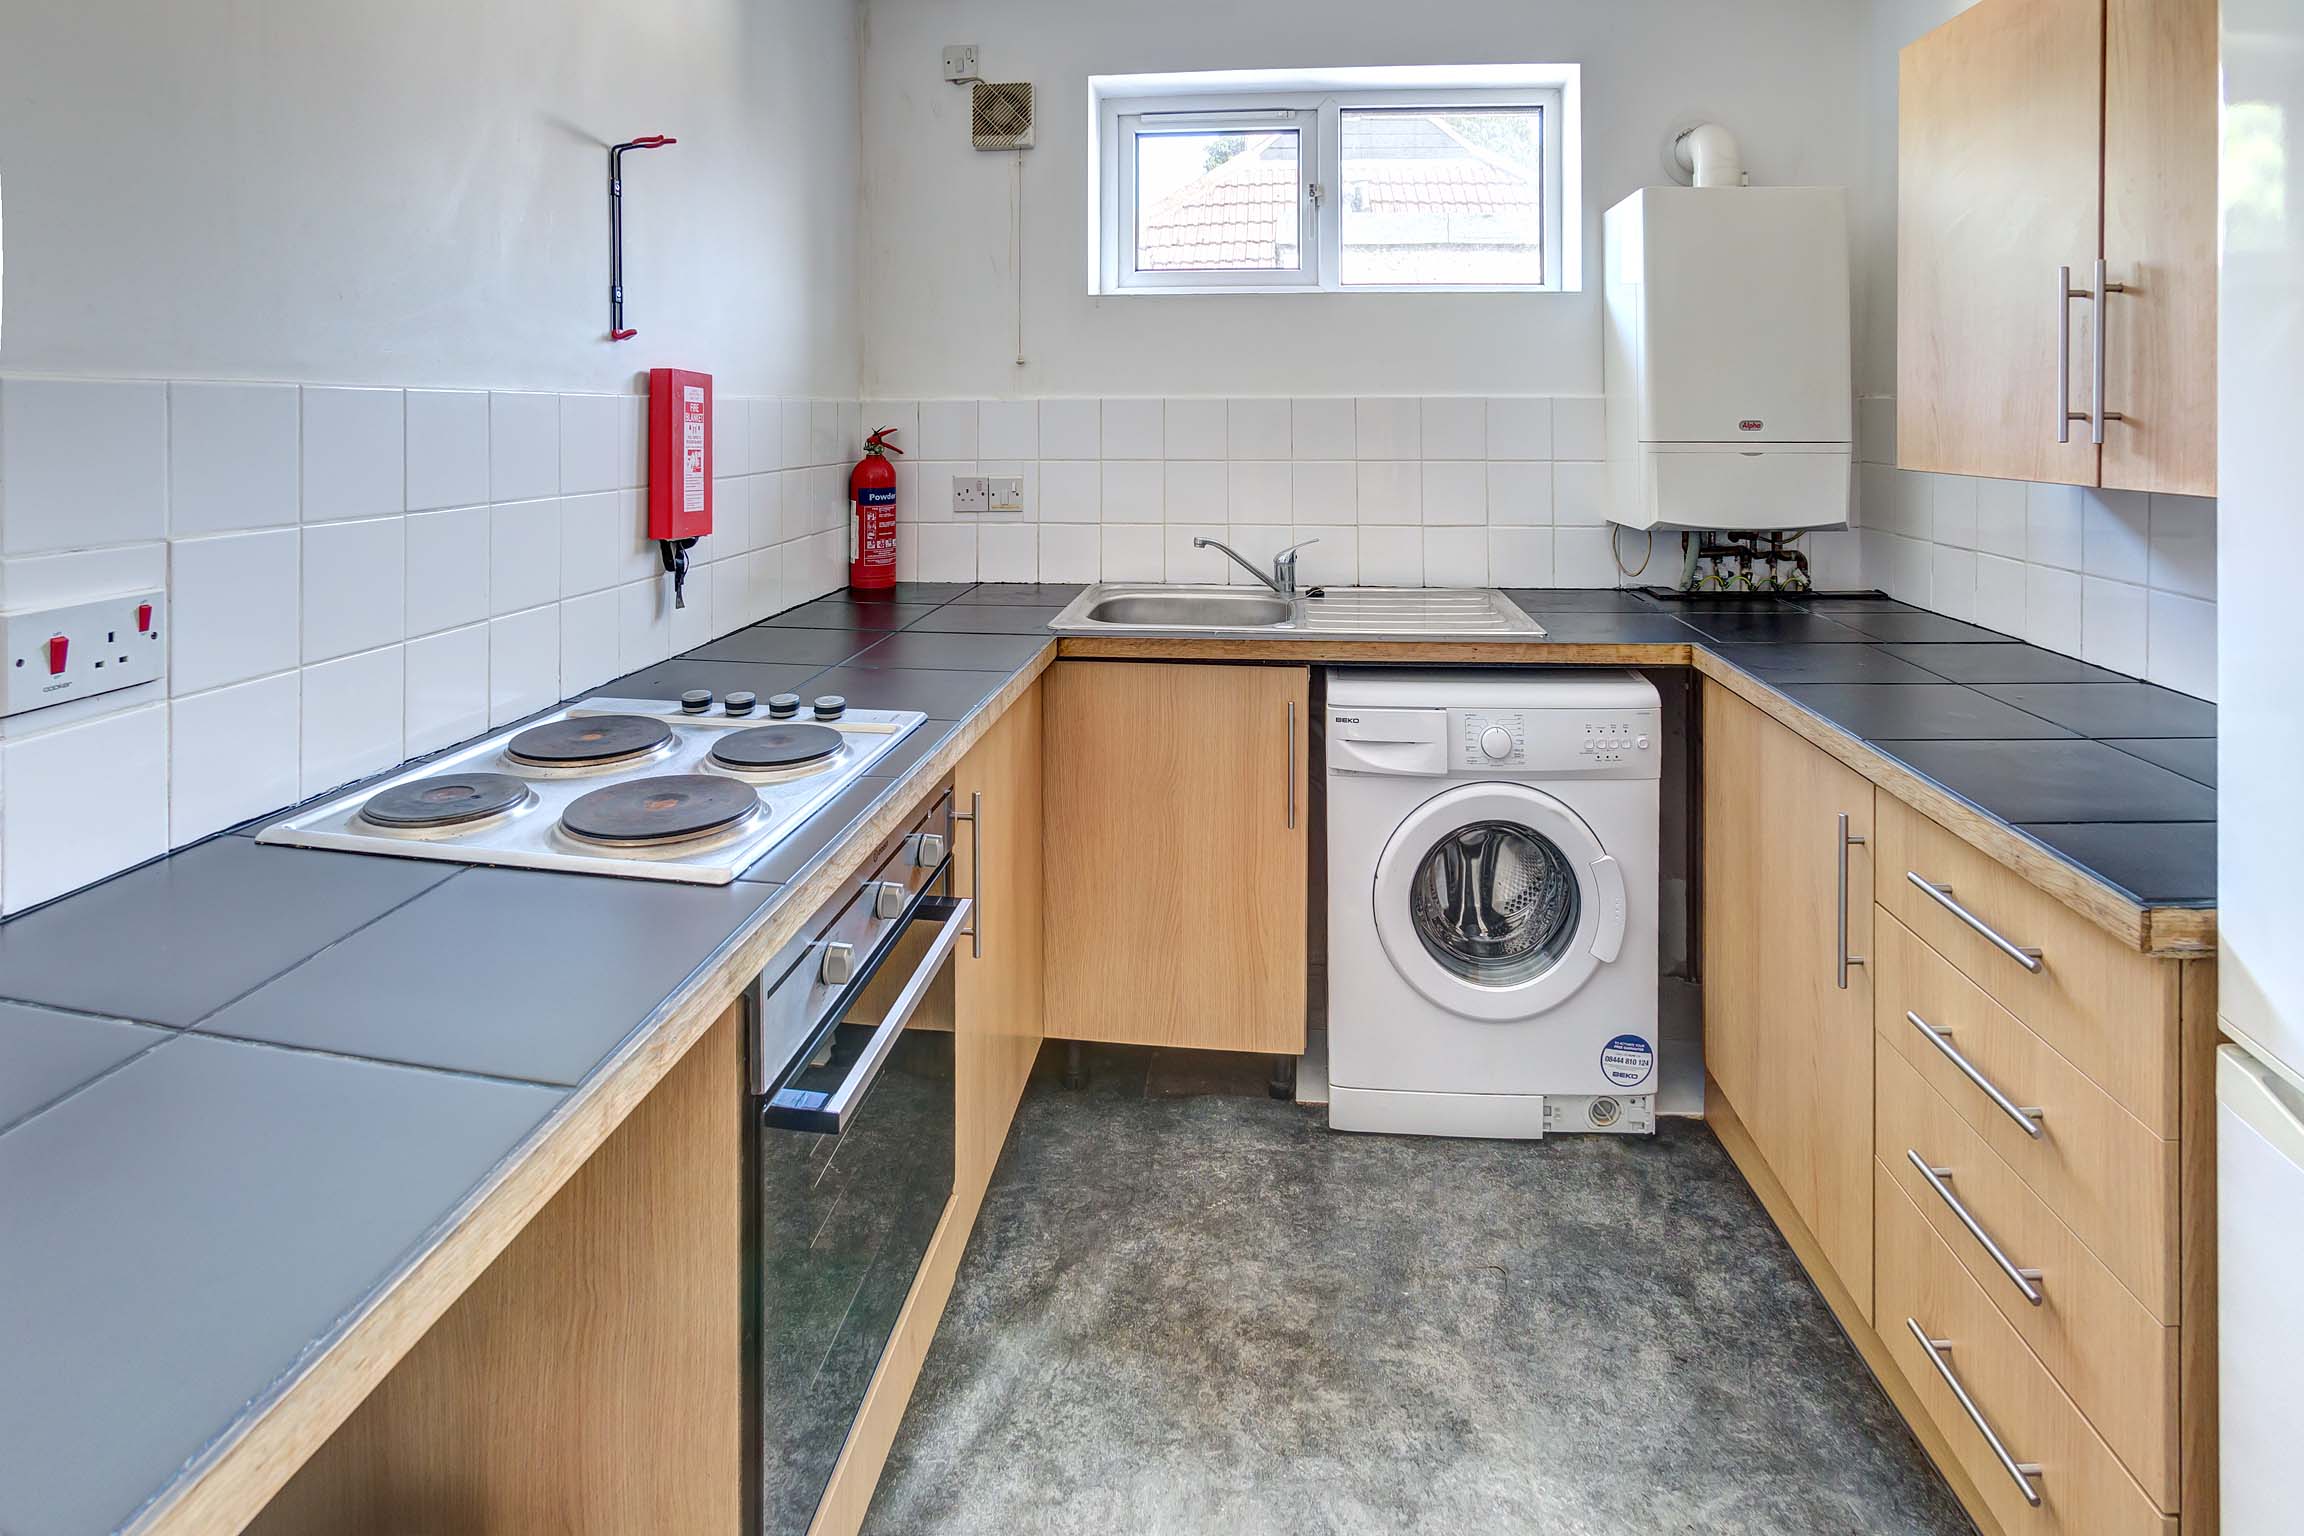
[
  {"x": 1075, "y": 1066},
  {"x": 1283, "y": 1084}
]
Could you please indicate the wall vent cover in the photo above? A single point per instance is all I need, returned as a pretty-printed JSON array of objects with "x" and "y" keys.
[{"x": 1002, "y": 115}]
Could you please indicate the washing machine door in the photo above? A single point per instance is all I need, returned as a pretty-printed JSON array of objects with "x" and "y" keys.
[{"x": 1496, "y": 901}]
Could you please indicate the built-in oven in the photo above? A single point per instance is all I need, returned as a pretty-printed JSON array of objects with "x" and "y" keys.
[{"x": 852, "y": 1074}]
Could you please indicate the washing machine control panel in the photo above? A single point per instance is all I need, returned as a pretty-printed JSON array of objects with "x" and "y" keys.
[
  {"x": 1491, "y": 740},
  {"x": 1614, "y": 744}
]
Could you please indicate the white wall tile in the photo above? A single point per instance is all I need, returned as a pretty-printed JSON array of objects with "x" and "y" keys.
[
  {"x": 589, "y": 444},
  {"x": 1579, "y": 427},
  {"x": 447, "y": 448},
  {"x": 1261, "y": 491},
  {"x": 1952, "y": 503},
  {"x": 1455, "y": 557},
  {"x": 2182, "y": 649},
  {"x": 1195, "y": 429},
  {"x": 1519, "y": 427},
  {"x": 1455, "y": 427},
  {"x": 2052, "y": 608},
  {"x": 232, "y": 754},
  {"x": 824, "y": 444},
  {"x": 590, "y": 530},
  {"x": 353, "y": 718},
  {"x": 1581, "y": 557},
  {"x": 1008, "y": 429},
  {"x": 71, "y": 576},
  {"x": 2114, "y": 622},
  {"x": 2000, "y": 518},
  {"x": 731, "y": 434},
  {"x": 1389, "y": 428},
  {"x": 1206, "y": 567},
  {"x": 1520, "y": 494},
  {"x": 947, "y": 552},
  {"x": 1008, "y": 552},
  {"x": 524, "y": 661},
  {"x": 2184, "y": 545},
  {"x": 948, "y": 429},
  {"x": 1198, "y": 491},
  {"x": 1257, "y": 429},
  {"x": 1332, "y": 557},
  {"x": 591, "y": 640},
  {"x": 1455, "y": 494},
  {"x": 355, "y": 586},
  {"x": 1071, "y": 491},
  {"x": 523, "y": 446},
  {"x": 82, "y": 801},
  {"x": 1326, "y": 491},
  {"x": 355, "y": 453},
  {"x": 644, "y": 624},
  {"x": 1892, "y": 501},
  {"x": 1391, "y": 492},
  {"x": 792, "y": 429},
  {"x": 2116, "y": 539},
  {"x": 1323, "y": 429},
  {"x": 1904, "y": 567},
  {"x": 2053, "y": 526},
  {"x": 1876, "y": 429},
  {"x": 1520, "y": 557},
  {"x": 2000, "y": 585},
  {"x": 764, "y": 437},
  {"x": 523, "y": 554},
  {"x": 1025, "y": 470},
  {"x": 691, "y": 620},
  {"x": 447, "y": 565},
  {"x": 1133, "y": 552},
  {"x": 1071, "y": 429},
  {"x": 732, "y": 595},
  {"x": 1579, "y": 493},
  {"x": 84, "y": 461},
  {"x": 1260, "y": 544},
  {"x": 232, "y": 457},
  {"x": 233, "y": 608},
  {"x": 1135, "y": 429},
  {"x": 446, "y": 689},
  {"x": 1133, "y": 494},
  {"x": 1391, "y": 556},
  {"x": 782, "y": 505},
  {"x": 1070, "y": 551},
  {"x": 1952, "y": 582}
]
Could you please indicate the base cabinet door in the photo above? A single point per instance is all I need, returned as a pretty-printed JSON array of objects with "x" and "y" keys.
[
  {"x": 997, "y": 972},
  {"x": 1176, "y": 835},
  {"x": 1787, "y": 997}
]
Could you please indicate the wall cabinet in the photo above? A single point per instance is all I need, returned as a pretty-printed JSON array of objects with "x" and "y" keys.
[
  {"x": 1787, "y": 999},
  {"x": 1177, "y": 829},
  {"x": 2035, "y": 136}
]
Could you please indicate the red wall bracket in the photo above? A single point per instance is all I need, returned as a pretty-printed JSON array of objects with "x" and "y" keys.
[{"x": 617, "y": 330}]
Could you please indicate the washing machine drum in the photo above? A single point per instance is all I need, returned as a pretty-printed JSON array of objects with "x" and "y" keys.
[{"x": 1497, "y": 901}]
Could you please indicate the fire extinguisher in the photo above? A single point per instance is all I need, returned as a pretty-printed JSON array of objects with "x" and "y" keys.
[{"x": 872, "y": 516}]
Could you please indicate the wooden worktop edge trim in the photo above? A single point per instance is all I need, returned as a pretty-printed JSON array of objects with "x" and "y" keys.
[
  {"x": 2168, "y": 932},
  {"x": 226, "y": 1487}
]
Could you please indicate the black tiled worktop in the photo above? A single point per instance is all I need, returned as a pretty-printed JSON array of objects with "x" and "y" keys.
[{"x": 223, "y": 1137}]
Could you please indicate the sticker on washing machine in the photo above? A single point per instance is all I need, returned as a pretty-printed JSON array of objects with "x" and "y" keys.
[{"x": 1627, "y": 1060}]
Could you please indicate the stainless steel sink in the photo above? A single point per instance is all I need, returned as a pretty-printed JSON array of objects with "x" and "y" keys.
[
  {"x": 1337, "y": 613},
  {"x": 1185, "y": 608}
]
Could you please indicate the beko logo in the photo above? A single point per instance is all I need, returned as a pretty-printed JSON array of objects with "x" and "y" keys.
[{"x": 1347, "y": 719}]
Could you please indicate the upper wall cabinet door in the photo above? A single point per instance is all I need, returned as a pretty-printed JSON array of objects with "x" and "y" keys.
[
  {"x": 1998, "y": 121},
  {"x": 2160, "y": 245}
]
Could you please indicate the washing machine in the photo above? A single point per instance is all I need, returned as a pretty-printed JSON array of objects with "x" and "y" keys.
[{"x": 1492, "y": 901}]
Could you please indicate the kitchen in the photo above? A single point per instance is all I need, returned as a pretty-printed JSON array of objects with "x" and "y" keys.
[{"x": 833, "y": 765}]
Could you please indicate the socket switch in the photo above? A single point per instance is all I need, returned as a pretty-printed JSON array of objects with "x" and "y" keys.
[
  {"x": 1006, "y": 494},
  {"x": 960, "y": 61},
  {"x": 70, "y": 652},
  {"x": 971, "y": 493}
]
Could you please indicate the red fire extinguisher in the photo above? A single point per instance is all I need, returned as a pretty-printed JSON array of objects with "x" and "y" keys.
[{"x": 872, "y": 516}]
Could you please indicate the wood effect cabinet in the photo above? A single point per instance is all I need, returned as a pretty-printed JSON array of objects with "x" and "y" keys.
[
  {"x": 2034, "y": 135},
  {"x": 1787, "y": 1026},
  {"x": 1176, "y": 835},
  {"x": 997, "y": 971}
]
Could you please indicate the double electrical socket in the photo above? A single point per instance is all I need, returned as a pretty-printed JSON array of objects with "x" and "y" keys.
[{"x": 982, "y": 493}]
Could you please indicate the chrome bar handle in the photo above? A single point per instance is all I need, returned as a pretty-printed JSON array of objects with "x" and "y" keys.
[
  {"x": 2026, "y": 1281},
  {"x": 1942, "y": 895},
  {"x": 2022, "y": 1472},
  {"x": 1841, "y": 956},
  {"x": 2065, "y": 294},
  {"x": 1291, "y": 765},
  {"x": 2097, "y": 414},
  {"x": 2027, "y": 1118},
  {"x": 974, "y": 816}
]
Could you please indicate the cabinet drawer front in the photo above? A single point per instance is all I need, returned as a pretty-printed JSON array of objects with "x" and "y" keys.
[
  {"x": 2112, "y": 1357},
  {"x": 2082, "y": 1488},
  {"x": 2109, "y": 1010},
  {"x": 2099, "y": 1168}
]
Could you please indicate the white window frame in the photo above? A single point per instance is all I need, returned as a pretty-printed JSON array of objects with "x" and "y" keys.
[{"x": 1311, "y": 102}]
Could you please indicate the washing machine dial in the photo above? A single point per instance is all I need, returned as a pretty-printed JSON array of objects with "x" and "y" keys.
[{"x": 1496, "y": 743}]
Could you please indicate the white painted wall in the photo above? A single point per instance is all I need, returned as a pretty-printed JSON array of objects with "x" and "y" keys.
[
  {"x": 414, "y": 192},
  {"x": 941, "y": 290}
]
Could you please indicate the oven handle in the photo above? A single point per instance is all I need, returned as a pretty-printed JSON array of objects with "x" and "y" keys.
[{"x": 828, "y": 1114}]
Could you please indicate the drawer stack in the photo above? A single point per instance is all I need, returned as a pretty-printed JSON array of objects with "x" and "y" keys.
[{"x": 2030, "y": 1180}]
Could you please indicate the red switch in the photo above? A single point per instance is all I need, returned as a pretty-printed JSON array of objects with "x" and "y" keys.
[
  {"x": 58, "y": 645},
  {"x": 143, "y": 618}
]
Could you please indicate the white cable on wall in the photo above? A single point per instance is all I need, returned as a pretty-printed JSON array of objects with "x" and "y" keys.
[{"x": 1016, "y": 249}]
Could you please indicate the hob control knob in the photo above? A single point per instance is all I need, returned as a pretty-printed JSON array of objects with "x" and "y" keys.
[
  {"x": 783, "y": 706},
  {"x": 1496, "y": 743},
  {"x": 695, "y": 701},
  {"x": 839, "y": 965},
  {"x": 927, "y": 850},
  {"x": 740, "y": 703},
  {"x": 889, "y": 897},
  {"x": 831, "y": 707}
]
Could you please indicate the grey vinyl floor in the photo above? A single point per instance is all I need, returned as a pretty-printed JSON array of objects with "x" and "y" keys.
[{"x": 1191, "y": 1308}]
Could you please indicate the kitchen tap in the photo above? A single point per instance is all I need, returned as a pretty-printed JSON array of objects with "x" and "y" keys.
[{"x": 1283, "y": 577}]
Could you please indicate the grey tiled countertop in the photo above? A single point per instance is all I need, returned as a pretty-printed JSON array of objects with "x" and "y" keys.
[{"x": 218, "y": 1143}]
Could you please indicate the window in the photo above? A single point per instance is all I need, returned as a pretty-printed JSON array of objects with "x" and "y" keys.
[{"x": 1336, "y": 181}]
